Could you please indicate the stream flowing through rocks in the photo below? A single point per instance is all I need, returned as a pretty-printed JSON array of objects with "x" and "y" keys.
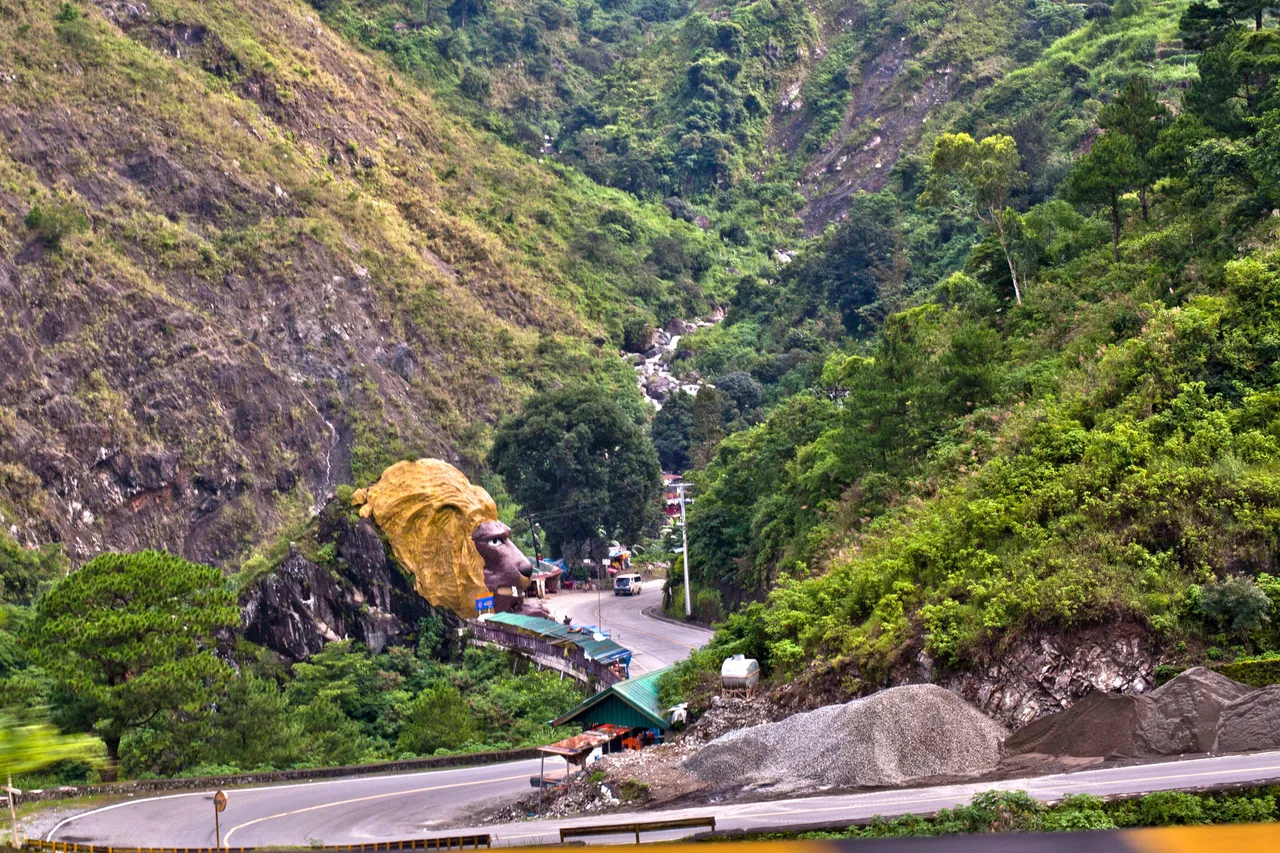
[{"x": 653, "y": 366}]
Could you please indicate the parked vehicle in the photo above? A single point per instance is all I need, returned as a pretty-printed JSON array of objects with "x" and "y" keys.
[{"x": 627, "y": 585}]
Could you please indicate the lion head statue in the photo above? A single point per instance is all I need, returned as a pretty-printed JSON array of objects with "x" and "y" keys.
[{"x": 446, "y": 532}]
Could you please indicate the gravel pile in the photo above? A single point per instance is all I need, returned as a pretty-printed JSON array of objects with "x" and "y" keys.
[
  {"x": 1250, "y": 723},
  {"x": 727, "y": 715},
  {"x": 1180, "y": 718},
  {"x": 894, "y": 737}
]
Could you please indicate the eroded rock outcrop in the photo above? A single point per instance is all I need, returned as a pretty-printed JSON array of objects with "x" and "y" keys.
[
  {"x": 1038, "y": 674},
  {"x": 1041, "y": 674},
  {"x": 362, "y": 595}
]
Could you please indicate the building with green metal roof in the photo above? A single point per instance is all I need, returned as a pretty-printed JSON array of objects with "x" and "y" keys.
[
  {"x": 604, "y": 651},
  {"x": 632, "y": 703}
]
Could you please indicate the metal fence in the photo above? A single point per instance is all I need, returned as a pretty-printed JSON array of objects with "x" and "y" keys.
[{"x": 444, "y": 842}]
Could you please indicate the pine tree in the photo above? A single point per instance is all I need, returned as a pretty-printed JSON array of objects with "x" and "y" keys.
[
  {"x": 130, "y": 637},
  {"x": 1139, "y": 115}
]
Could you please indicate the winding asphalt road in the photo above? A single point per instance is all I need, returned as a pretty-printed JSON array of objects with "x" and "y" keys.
[
  {"x": 654, "y": 643},
  {"x": 413, "y": 805},
  {"x": 360, "y": 809}
]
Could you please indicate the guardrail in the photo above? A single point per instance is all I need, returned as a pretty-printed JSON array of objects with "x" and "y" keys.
[
  {"x": 444, "y": 842},
  {"x": 567, "y": 832},
  {"x": 566, "y": 658}
]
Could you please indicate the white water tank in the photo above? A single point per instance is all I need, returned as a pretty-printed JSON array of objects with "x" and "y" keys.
[{"x": 739, "y": 673}]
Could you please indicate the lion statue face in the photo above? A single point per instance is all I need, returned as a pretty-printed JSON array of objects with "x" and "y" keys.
[
  {"x": 446, "y": 532},
  {"x": 506, "y": 569}
]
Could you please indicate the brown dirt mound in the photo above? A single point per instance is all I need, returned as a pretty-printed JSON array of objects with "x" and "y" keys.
[
  {"x": 1179, "y": 718},
  {"x": 1185, "y": 711},
  {"x": 1101, "y": 725},
  {"x": 1251, "y": 722}
]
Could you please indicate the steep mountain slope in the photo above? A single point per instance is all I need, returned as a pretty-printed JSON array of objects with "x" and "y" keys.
[
  {"x": 1089, "y": 464},
  {"x": 246, "y": 262}
]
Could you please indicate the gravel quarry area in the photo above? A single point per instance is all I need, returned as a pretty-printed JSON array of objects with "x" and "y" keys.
[
  {"x": 914, "y": 735},
  {"x": 899, "y": 736},
  {"x": 1200, "y": 711}
]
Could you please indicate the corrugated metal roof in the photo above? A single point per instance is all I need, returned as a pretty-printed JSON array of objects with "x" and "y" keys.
[
  {"x": 598, "y": 650},
  {"x": 639, "y": 694}
]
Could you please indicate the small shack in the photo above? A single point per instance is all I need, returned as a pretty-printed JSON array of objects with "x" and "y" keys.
[{"x": 632, "y": 704}]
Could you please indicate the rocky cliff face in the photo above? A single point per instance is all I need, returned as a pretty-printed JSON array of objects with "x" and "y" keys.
[
  {"x": 244, "y": 262},
  {"x": 1043, "y": 673},
  {"x": 1039, "y": 674},
  {"x": 358, "y": 593}
]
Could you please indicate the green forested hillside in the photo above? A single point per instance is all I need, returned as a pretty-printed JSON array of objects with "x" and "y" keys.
[
  {"x": 1102, "y": 451},
  {"x": 998, "y": 282}
]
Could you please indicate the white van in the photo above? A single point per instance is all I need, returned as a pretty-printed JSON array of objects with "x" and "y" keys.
[{"x": 626, "y": 585}]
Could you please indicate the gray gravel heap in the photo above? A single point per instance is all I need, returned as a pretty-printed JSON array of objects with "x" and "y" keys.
[{"x": 894, "y": 737}]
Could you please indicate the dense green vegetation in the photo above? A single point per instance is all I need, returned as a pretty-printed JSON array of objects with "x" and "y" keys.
[
  {"x": 582, "y": 466},
  {"x": 1015, "y": 811},
  {"x": 1023, "y": 376},
  {"x": 142, "y": 652},
  {"x": 1101, "y": 451}
]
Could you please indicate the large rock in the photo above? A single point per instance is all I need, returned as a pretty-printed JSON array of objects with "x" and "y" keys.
[
  {"x": 302, "y": 605},
  {"x": 1251, "y": 722},
  {"x": 1185, "y": 712},
  {"x": 679, "y": 327}
]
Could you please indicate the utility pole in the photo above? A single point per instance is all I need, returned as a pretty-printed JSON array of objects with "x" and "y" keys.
[
  {"x": 533, "y": 534},
  {"x": 684, "y": 532},
  {"x": 601, "y": 575}
]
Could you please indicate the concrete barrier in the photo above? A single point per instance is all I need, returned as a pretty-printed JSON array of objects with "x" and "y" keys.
[{"x": 567, "y": 832}]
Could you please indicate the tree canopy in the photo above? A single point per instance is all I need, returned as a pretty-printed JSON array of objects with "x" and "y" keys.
[
  {"x": 978, "y": 177},
  {"x": 1110, "y": 169},
  {"x": 130, "y": 637},
  {"x": 577, "y": 462}
]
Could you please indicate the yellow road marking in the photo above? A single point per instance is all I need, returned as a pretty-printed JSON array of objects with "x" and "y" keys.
[{"x": 226, "y": 839}]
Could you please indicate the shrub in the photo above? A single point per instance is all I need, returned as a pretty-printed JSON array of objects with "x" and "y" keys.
[
  {"x": 633, "y": 790},
  {"x": 1237, "y": 603},
  {"x": 1170, "y": 808},
  {"x": 54, "y": 223},
  {"x": 1257, "y": 673},
  {"x": 1075, "y": 812},
  {"x": 681, "y": 209},
  {"x": 1243, "y": 809}
]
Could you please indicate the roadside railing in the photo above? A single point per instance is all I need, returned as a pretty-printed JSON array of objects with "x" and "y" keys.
[
  {"x": 567, "y": 832},
  {"x": 443, "y": 842},
  {"x": 572, "y": 656},
  {"x": 148, "y": 786}
]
